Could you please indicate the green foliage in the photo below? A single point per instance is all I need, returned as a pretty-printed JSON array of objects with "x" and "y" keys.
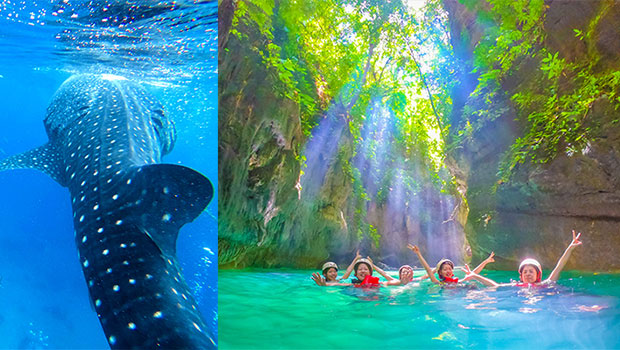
[
  {"x": 514, "y": 30},
  {"x": 276, "y": 52},
  {"x": 257, "y": 12},
  {"x": 555, "y": 105},
  {"x": 578, "y": 33},
  {"x": 374, "y": 235},
  {"x": 346, "y": 51},
  {"x": 358, "y": 58},
  {"x": 552, "y": 65},
  {"x": 558, "y": 119}
]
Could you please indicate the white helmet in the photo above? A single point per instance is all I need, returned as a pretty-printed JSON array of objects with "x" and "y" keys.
[{"x": 532, "y": 262}]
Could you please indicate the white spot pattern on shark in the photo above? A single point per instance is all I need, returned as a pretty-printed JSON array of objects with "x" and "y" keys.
[{"x": 107, "y": 136}]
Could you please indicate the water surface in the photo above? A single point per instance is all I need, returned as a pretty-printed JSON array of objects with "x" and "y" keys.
[{"x": 284, "y": 309}]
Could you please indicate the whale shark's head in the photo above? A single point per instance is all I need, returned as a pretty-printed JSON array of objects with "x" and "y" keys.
[{"x": 84, "y": 94}]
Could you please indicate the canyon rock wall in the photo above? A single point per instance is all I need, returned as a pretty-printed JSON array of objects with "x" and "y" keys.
[{"x": 533, "y": 213}]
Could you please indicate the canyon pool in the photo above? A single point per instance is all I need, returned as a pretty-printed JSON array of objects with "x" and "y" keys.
[{"x": 284, "y": 309}]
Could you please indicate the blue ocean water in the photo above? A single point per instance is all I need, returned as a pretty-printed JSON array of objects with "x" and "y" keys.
[{"x": 172, "y": 52}]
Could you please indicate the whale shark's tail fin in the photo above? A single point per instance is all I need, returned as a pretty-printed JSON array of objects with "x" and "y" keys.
[
  {"x": 167, "y": 196},
  {"x": 44, "y": 158}
]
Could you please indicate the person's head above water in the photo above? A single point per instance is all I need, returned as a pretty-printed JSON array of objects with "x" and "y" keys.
[
  {"x": 405, "y": 269},
  {"x": 445, "y": 268},
  {"x": 330, "y": 271},
  {"x": 362, "y": 268},
  {"x": 530, "y": 271}
]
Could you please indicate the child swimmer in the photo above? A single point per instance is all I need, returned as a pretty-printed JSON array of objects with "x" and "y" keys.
[
  {"x": 445, "y": 270},
  {"x": 363, "y": 268},
  {"x": 405, "y": 276},
  {"x": 329, "y": 273}
]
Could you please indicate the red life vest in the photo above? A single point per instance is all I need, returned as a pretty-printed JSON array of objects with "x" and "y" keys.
[
  {"x": 450, "y": 279},
  {"x": 368, "y": 282}
]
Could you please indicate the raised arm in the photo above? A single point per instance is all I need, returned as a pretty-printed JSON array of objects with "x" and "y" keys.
[
  {"x": 555, "y": 274},
  {"x": 404, "y": 278},
  {"x": 425, "y": 276},
  {"x": 469, "y": 275},
  {"x": 347, "y": 273},
  {"x": 428, "y": 269},
  {"x": 380, "y": 270},
  {"x": 484, "y": 263},
  {"x": 395, "y": 282},
  {"x": 318, "y": 279}
]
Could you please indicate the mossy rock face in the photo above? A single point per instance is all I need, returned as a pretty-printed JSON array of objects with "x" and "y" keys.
[
  {"x": 533, "y": 213},
  {"x": 258, "y": 147},
  {"x": 271, "y": 216},
  {"x": 263, "y": 220}
]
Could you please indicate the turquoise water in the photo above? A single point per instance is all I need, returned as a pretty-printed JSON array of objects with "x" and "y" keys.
[{"x": 284, "y": 309}]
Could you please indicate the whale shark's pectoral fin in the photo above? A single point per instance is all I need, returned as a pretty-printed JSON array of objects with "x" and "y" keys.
[
  {"x": 166, "y": 197},
  {"x": 44, "y": 158}
]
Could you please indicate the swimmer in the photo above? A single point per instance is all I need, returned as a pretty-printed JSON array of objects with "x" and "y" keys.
[
  {"x": 363, "y": 274},
  {"x": 445, "y": 270},
  {"x": 329, "y": 276},
  {"x": 363, "y": 269},
  {"x": 530, "y": 270},
  {"x": 329, "y": 273},
  {"x": 405, "y": 275}
]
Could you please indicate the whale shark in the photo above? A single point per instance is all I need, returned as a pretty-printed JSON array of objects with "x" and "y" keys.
[{"x": 107, "y": 136}]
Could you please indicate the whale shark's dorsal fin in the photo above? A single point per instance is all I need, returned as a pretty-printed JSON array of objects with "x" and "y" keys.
[
  {"x": 44, "y": 158},
  {"x": 168, "y": 196}
]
